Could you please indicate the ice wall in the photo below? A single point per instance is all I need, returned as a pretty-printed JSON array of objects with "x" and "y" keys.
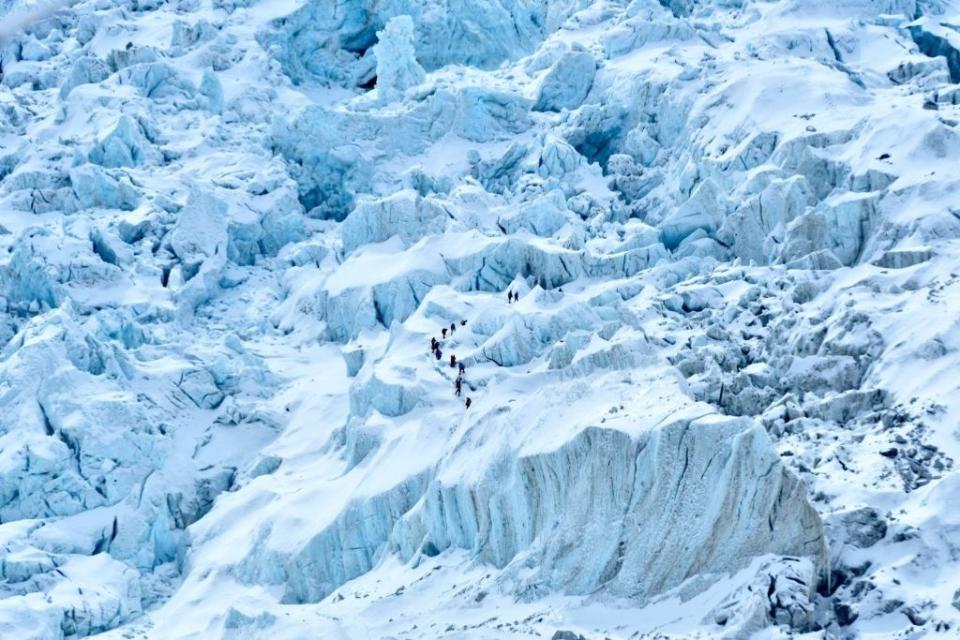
[{"x": 680, "y": 500}]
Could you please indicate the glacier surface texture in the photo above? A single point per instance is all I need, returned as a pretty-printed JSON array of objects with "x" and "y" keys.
[{"x": 692, "y": 266}]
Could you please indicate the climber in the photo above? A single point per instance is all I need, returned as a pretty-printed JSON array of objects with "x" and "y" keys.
[
  {"x": 516, "y": 297},
  {"x": 458, "y": 385},
  {"x": 453, "y": 328},
  {"x": 468, "y": 403},
  {"x": 444, "y": 334},
  {"x": 509, "y": 297},
  {"x": 453, "y": 361},
  {"x": 433, "y": 344},
  {"x": 463, "y": 323},
  {"x": 438, "y": 354},
  {"x": 462, "y": 366}
]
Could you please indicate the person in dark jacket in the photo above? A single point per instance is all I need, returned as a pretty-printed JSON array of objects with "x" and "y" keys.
[
  {"x": 438, "y": 354},
  {"x": 462, "y": 366},
  {"x": 443, "y": 333},
  {"x": 463, "y": 323},
  {"x": 468, "y": 403},
  {"x": 453, "y": 328},
  {"x": 453, "y": 361},
  {"x": 458, "y": 385},
  {"x": 509, "y": 297}
]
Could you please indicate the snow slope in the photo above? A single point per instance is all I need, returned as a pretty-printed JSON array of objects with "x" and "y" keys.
[{"x": 725, "y": 404}]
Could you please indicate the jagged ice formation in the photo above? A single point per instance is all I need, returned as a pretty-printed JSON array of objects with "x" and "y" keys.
[{"x": 725, "y": 404}]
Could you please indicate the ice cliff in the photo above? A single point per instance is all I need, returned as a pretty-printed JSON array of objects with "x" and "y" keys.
[{"x": 723, "y": 404}]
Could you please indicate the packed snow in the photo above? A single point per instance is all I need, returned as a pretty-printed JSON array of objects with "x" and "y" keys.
[{"x": 690, "y": 266}]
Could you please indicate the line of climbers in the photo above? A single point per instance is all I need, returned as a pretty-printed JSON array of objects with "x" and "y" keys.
[
  {"x": 461, "y": 368},
  {"x": 512, "y": 296}
]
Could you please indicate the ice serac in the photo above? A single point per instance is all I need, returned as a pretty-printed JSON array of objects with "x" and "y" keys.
[
  {"x": 125, "y": 146},
  {"x": 661, "y": 506},
  {"x": 397, "y": 66},
  {"x": 687, "y": 498},
  {"x": 329, "y": 41},
  {"x": 780, "y": 591},
  {"x": 404, "y": 214},
  {"x": 567, "y": 83},
  {"x": 100, "y": 594},
  {"x": 94, "y": 186}
]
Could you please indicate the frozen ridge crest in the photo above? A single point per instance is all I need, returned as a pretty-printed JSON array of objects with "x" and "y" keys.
[{"x": 491, "y": 319}]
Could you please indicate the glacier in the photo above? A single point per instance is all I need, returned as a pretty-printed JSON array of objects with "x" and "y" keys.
[{"x": 722, "y": 404}]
